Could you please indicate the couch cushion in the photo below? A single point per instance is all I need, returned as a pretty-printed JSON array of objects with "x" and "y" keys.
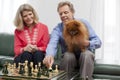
[
  {"x": 6, "y": 44},
  {"x": 107, "y": 69},
  {"x": 105, "y": 77},
  {"x": 8, "y": 59}
]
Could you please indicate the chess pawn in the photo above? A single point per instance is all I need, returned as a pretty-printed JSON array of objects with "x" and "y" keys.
[
  {"x": 39, "y": 70},
  {"x": 12, "y": 68},
  {"x": 14, "y": 65},
  {"x": 9, "y": 66},
  {"x": 39, "y": 64},
  {"x": 50, "y": 69},
  {"x": 19, "y": 66},
  {"x": 26, "y": 62},
  {"x": 56, "y": 69},
  {"x": 35, "y": 70},
  {"x": 39, "y": 67}
]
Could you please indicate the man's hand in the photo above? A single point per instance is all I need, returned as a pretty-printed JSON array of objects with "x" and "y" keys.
[
  {"x": 48, "y": 61},
  {"x": 85, "y": 43}
]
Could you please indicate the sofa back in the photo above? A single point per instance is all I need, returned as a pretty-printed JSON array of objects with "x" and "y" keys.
[{"x": 6, "y": 44}]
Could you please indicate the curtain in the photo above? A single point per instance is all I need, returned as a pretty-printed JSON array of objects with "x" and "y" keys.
[
  {"x": 8, "y": 10},
  {"x": 105, "y": 18}
]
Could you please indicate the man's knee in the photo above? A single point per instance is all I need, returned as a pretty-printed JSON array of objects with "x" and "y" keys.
[
  {"x": 69, "y": 56},
  {"x": 88, "y": 54}
]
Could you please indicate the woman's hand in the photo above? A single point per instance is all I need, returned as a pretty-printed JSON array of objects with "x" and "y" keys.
[
  {"x": 34, "y": 48},
  {"x": 28, "y": 48},
  {"x": 31, "y": 48}
]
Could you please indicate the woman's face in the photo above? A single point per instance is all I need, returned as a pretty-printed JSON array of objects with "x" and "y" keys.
[{"x": 28, "y": 17}]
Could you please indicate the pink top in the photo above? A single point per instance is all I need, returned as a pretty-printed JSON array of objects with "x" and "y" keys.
[{"x": 39, "y": 36}]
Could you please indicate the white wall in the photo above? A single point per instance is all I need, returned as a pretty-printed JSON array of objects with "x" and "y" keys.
[{"x": 47, "y": 10}]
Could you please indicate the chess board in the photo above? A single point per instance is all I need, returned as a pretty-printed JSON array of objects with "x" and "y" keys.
[
  {"x": 15, "y": 75},
  {"x": 25, "y": 71}
]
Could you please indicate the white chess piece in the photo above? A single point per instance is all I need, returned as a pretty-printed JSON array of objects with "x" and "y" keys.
[
  {"x": 36, "y": 69},
  {"x": 56, "y": 68},
  {"x": 50, "y": 68},
  {"x": 31, "y": 65},
  {"x": 26, "y": 66}
]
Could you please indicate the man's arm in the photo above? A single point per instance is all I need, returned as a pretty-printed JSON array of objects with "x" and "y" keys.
[
  {"x": 94, "y": 40},
  {"x": 52, "y": 45},
  {"x": 52, "y": 48}
]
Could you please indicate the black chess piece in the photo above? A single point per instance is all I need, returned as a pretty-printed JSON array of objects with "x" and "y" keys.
[
  {"x": 50, "y": 70},
  {"x": 47, "y": 73},
  {"x": 29, "y": 71},
  {"x": 39, "y": 72},
  {"x": 21, "y": 71},
  {"x": 5, "y": 70},
  {"x": 43, "y": 70}
]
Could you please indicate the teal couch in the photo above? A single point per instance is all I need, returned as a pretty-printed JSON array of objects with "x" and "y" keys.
[
  {"x": 101, "y": 71},
  {"x": 6, "y": 48}
]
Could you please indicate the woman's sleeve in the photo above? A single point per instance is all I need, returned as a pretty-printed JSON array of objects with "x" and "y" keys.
[{"x": 17, "y": 44}]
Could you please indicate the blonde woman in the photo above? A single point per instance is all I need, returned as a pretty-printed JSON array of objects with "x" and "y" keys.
[{"x": 31, "y": 36}]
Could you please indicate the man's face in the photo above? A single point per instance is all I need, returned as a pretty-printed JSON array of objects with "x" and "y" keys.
[{"x": 65, "y": 13}]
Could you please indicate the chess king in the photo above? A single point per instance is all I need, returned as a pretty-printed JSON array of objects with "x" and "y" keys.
[{"x": 75, "y": 33}]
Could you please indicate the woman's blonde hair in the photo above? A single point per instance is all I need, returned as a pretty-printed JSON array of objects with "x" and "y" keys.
[
  {"x": 69, "y": 4},
  {"x": 18, "y": 21}
]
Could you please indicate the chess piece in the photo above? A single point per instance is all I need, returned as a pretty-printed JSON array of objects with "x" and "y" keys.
[
  {"x": 26, "y": 67},
  {"x": 50, "y": 69},
  {"x": 14, "y": 65},
  {"x": 12, "y": 68},
  {"x": 21, "y": 71},
  {"x": 30, "y": 71},
  {"x": 26, "y": 62},
  {"x": 9, "y": 66},
  {"x": 31, "y": 65},
  {"x": 5, "y": 69},
  {"x": 47, "y": 73},
  {"x": 19, "y": 66},
  {"x": 35, "y": 70},
  {"x": 39, "y": 64},
  {"x": 56, "y": 69},
  {"x": 39, "y": 70},
  {"x": 43, "y": 70}
]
